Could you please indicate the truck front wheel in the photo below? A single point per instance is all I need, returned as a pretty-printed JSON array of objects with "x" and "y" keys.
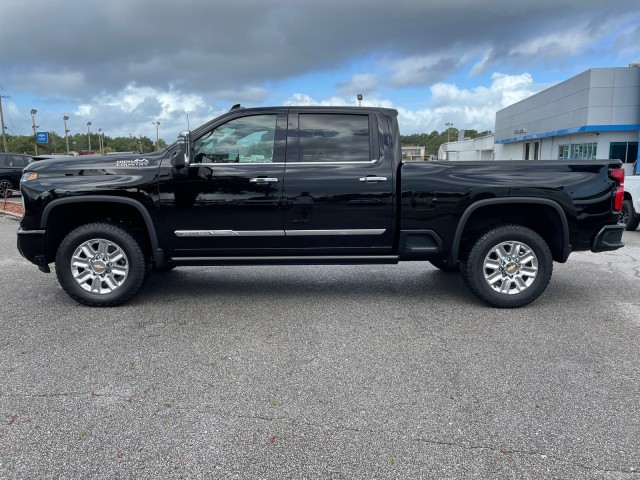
[
  {"x": 101, "y": 265},
  {"x": 508, "y": 267}
]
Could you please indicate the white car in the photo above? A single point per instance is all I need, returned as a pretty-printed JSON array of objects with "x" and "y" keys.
[{"x": 630, "y": 213}]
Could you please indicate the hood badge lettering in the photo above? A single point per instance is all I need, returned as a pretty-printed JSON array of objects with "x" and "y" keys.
[{"x": 138, "y": 162}]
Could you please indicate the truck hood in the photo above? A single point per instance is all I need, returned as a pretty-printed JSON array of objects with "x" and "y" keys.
[{"x": 96, "y": 164}]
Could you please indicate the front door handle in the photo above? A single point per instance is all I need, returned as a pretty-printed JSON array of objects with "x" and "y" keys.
[
  {"x": 373, "y": 179},
  {"x": 263, "y": 180}
]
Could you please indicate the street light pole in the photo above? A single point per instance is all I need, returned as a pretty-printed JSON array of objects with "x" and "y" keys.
[
  {"x": 33, "y": 125},
  {"x": 449, "y": 125},
  {"x": 66, "y": 131},
  {"x": 101, "y": 140},
  {"x": 157, "y": 124},
  {"x": 89, "y": 134}
]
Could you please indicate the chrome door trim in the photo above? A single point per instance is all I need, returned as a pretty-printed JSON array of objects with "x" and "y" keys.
[
  {"x": 229, "y": 233},
  {"x": 358, "y": 231},
  {"x": 276, "y": 233}
]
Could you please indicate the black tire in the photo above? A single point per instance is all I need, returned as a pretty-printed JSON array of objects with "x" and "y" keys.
[
  {"x": 508, "y": 267},
  {"x": 6, "y": 188},
  {"x": 110, "y": 265},
  {"x": 445, "y": 266},
  {"x": 628, "y": 216}
]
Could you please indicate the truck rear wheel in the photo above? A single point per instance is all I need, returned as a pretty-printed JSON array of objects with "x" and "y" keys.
[
  {"x": 629, "y": 216},
  {"x": 101, "y": 265},
  {"x": 508, "y": 267}
]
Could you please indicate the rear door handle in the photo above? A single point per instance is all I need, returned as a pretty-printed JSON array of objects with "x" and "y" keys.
[
  {"x": 373, "y": 179},
  {"x": 263, "y": 180}
]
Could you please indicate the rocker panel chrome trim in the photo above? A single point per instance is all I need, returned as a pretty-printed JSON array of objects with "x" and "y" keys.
[
  {"x": 276, "y": 233},
  {"x": 229, "y": 233},
  {"x": 355, "y": 231}
]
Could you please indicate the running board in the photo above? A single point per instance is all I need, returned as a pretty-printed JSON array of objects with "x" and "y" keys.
[{"x": 287, "y": 260}]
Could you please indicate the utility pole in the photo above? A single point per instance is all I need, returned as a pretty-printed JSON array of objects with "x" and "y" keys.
[
  {"x": 34, "y": 126},
  {"x": 4, "y": 135},
  {"x": 66, "y": 131}
]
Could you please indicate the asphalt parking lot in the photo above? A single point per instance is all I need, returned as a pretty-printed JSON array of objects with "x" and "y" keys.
[{"x": 322, "y": 372}]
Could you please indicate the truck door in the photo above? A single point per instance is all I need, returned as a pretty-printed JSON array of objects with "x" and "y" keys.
[
  {"x": 338, "y": 184},
  {"x": 230, "y": 197}
]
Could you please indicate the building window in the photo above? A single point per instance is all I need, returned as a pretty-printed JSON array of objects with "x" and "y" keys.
[
  {"x": 625, "y": 151},
  {"x": 563, "y": 152},
  {"x": 578, "y": 151}
]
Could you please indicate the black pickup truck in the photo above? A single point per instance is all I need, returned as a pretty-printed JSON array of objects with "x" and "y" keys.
[{"x": 311, "y": 185}]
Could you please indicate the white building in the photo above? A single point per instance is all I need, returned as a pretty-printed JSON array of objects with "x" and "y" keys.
[
  {"x": 413, "y": 154},
  {"x": 594, "y": 115},
  {"x": 480, "y": 148}
]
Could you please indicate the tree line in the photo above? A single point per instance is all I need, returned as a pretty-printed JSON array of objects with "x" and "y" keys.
[
  {"x": 79, "y": 141},
  {"x": 58, "y": 145}
]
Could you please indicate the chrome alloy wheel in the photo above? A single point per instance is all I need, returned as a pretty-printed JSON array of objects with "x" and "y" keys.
[
  {"x": 5, "y": 188},
  {"x": 99, "y": 266},
  {"x": 510, "y": 267}
]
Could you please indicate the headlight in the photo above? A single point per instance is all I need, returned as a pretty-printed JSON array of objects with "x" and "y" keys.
[{"x": 26, "y": 176}]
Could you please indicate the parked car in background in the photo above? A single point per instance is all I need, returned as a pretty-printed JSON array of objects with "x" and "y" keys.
[
  {"x": 630, "y": 213},
  {"x": 11, "y": 165}
]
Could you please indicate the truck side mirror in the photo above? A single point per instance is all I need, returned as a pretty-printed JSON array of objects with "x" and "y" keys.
[{"x": 181, "y": 157}]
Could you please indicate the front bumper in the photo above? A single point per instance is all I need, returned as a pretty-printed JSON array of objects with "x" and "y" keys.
[
  {"x": 31, "y": 245},
  {"x": 608, "y": 238}
]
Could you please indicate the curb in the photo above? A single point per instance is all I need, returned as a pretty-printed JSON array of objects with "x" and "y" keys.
[{"x": 11, "y": 214}]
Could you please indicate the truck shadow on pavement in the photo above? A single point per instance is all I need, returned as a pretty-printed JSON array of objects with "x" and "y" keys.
[{"x": 336, "y": 282}]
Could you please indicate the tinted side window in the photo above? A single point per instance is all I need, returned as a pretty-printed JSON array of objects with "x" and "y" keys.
[
  {"x": 242, "y": 140},
  {"x": 4, "y": 160},
  {"x": 19, "y": 161},
  {"x": 333, "y": 137}
]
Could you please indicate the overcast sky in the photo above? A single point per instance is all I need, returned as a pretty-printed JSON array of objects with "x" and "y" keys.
[{"x": 124, "y": 64}]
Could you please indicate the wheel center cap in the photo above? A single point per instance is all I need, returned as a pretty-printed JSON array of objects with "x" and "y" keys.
[
  {"x": 99, "y": 266},
  {"x": 511, "y": 268}
]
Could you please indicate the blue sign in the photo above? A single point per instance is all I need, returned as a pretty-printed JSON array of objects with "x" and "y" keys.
[{"x": 42, "y": 137}]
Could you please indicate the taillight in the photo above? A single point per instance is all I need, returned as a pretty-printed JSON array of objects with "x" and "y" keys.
[{"x": 618, "y": 197}]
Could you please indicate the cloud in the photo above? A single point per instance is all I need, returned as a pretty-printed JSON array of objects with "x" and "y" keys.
[
  {"x": 148, "y": 60},
  {"x": 45, "y": 82},
  {"x": 557, "y": 44},
  {"x": 214, "y": 46},
  {"x": 141, "y": 106},
  {"x": 421, "y": 70},
  {"x": 466, "y": 108},
  {"x": 359, "y": 83}
]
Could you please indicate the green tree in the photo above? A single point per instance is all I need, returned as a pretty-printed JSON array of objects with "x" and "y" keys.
[{"x": 21, "y": 144}]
